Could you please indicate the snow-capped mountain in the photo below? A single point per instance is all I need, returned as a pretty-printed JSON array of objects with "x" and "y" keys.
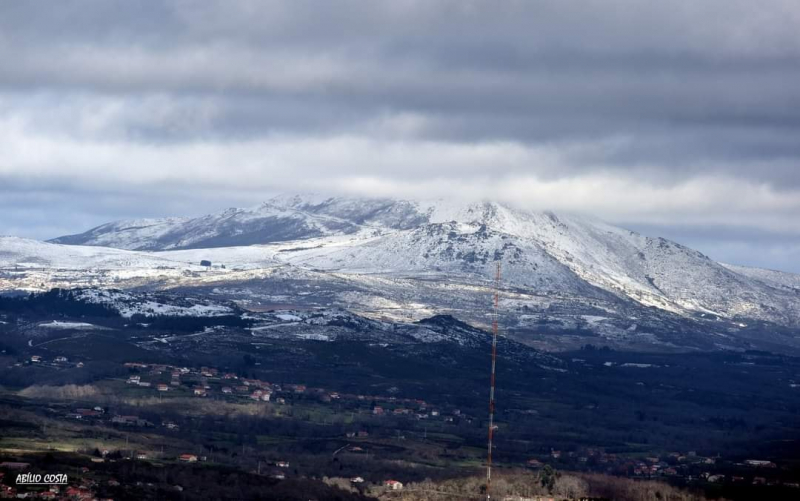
[
  {"x": 376, "y": 246},
  {"x": 277, "y": 220}
]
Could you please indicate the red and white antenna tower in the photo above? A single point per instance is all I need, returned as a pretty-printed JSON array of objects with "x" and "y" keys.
[{"x": 491, "y": 388}]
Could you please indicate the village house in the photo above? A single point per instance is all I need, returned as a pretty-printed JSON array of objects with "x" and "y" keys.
[
  {"x": 282, "y": 464},
  {"x": 200, "y": 391},
  {"x": 60, "y": 360},
  {"x": 261, "y": 395},
  {"x": 377, "y": 410},
  {"x": 188, "y": 458},
  {"x": 36, "y": 359},
  {"x": 134, "y": 379},
  {"x": 227, "y": 390},
  {"x": 356, "y": 480},
  {"x": 162, "y": 387},
  {"x": 393, "y": 485}
]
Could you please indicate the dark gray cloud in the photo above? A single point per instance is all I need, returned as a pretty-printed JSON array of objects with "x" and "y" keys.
[{"x": 672, "y": 116}]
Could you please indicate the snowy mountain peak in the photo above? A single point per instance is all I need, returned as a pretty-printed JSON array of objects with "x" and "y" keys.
[{"x": 540, "y": 251}]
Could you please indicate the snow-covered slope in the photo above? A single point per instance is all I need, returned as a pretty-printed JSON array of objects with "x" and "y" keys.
[
  {"x": 540, "y": 251},
  {"x": 151, "y": 304},
  {"x": 25, "y": 253},
  {"x": 280, "y": 219},
  {"x": 774, "y": 278}
]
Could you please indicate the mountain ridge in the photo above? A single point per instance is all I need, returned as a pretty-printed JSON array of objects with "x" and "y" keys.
[{"x": 550, "y": 254}]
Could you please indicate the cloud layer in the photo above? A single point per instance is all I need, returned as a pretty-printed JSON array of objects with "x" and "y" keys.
[{"x": 676, "y": 118}]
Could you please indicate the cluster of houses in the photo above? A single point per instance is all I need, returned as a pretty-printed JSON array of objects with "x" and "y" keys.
[
  {"x": 59, "y": 362},
  {"x": 689, "y": 466},
  {"x": 207, "y": 381}
]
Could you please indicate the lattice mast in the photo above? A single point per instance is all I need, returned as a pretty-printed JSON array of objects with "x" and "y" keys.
[{"x": 496, "y": 306}]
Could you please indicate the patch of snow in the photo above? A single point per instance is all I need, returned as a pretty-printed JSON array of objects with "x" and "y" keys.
[
  {"x": 287, "y": 317},
  {"x": 57, "y": 324}
]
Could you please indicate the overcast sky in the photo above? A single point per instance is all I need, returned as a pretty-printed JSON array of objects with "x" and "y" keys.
[{"x": 678, "y": 119}]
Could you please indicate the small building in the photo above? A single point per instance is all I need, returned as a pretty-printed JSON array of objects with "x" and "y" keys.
[
  {"x": 60, "y": 360},
  {"x": 144, "y": 384},
  {"x": 163, "y": 387},
  {"x": 36, "y": 359},
  {"x": 188, "y": 458},
  {"x": 393, "y": 485},
  {"x": 356, "y": 480},
  {"x": 200, "y": 391},
  {"x": 282, "y": 464},
  {"x": 227, "y": 390}
]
